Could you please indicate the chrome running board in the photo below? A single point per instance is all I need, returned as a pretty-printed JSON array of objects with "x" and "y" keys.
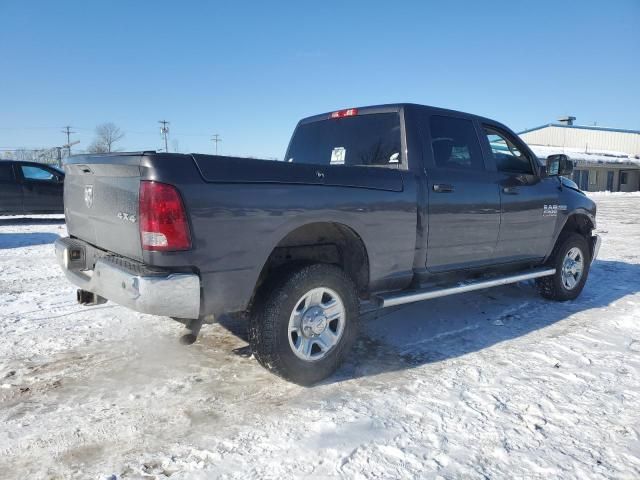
[{"x": 389, "y": 300}]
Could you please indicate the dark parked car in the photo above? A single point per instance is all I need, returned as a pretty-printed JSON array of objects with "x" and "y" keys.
[
  {"x": 29, "y": 188},
  {"x": 372, "y": 207}
]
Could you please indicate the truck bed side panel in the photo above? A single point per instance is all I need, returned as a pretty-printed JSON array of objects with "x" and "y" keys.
[{"x": 236, "y": 226}]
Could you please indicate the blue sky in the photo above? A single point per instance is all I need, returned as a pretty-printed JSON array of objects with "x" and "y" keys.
[{"x": 250, "y": 70}]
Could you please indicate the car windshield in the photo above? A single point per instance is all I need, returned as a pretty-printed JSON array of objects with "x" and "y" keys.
[{"x": 372, "y": 139}]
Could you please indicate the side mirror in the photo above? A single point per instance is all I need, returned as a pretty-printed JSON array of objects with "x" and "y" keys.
[{"x": 559, "y": 165}]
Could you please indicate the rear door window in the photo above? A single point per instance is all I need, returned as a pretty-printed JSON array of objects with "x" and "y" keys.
[
  {"x": 455, "y": 144},
  {"x": 36, "y": 173},
  {"x": 372, "y": 140}
]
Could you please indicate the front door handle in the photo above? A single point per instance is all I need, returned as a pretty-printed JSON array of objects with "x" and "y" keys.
[
  {"x": 510, "y": 190},
  {"x": 442, "y": 188}
]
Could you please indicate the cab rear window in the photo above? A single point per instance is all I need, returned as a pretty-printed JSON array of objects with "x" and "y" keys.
[{"x": 372, "y": 140}]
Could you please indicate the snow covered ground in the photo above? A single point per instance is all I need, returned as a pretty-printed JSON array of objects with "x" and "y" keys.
[{"x": 494, "y": 384}]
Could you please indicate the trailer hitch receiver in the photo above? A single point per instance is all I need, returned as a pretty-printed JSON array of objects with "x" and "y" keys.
[{"x": 89, "y": 298}]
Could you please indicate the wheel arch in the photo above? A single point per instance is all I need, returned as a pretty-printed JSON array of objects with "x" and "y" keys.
[
  {"x": 580, "y": 221},
  {"x": 319, "y": 242}
]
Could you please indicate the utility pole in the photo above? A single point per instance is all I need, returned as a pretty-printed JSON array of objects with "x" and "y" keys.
[
  {"x": 68, "y": 131},
  {"x": 164, "y": 130},
  {"x": 215, "y": 139}
]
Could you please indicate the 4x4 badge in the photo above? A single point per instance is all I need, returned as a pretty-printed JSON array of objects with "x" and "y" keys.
[{"x": 127, "y": 216}]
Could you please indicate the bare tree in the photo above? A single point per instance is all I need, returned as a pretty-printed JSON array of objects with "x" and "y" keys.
[
  {"x": 25, "y": 155},
  {"x": 107, "y": 135},
  {"x": 97, "y": 147}
]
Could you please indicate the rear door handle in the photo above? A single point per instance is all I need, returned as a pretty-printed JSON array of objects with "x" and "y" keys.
[
  {"x": 442, "y": 188},
  {"x": 510, "y": 190}
]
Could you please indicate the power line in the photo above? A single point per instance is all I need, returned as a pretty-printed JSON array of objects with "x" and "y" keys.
[
  {"x": 127, "y": 131},
  {"x": 164, "y": 130},
  {"x": 215, "y": 139},
  {"x": 68, "y": 131},
  {"x": 32, "y": 128}
]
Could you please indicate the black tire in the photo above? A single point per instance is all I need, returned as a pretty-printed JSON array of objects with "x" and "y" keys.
[
  {"x": 269, "y": 323},
  {"x": 553, "y": 287}
]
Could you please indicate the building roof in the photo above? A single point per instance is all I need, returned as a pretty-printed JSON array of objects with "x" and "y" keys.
[
  {"x": 580, "y": 127},
  {"x": 581, "y": 156}
]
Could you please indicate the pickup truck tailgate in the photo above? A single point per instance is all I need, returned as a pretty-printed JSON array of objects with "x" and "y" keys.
[{"x": 101, "y": 202}]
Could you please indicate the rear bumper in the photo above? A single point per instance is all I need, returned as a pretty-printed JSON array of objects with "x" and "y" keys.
[
  {"x": 131, "y": 284},
  {"x": 596, "y": 240}
]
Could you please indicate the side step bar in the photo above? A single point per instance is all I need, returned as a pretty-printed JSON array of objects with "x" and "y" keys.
[{"x": 389, "y": 300}]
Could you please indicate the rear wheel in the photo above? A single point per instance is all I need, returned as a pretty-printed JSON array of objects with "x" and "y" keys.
[
  {"x": 571, "y": 258},
  {"x": 302, "y": 328}
]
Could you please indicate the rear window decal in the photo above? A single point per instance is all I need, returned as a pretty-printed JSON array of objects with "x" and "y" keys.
[{"x": 338, "y": 155}]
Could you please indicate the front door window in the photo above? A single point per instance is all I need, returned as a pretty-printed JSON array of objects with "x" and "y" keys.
[{"x": 508, "y": 157}]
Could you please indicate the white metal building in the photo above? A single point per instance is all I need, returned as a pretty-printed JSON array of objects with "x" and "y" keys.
[{"x": 604, "y": 158}]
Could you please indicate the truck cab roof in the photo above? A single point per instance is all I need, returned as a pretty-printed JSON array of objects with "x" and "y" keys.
[{"x": 395, "y": 107}]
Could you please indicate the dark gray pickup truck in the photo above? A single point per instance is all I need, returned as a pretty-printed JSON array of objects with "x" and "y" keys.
[{"x": 371, "y": 207}]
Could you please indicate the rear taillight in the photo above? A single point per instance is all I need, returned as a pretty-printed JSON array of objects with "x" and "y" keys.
[{"x": 163, "y": 220}]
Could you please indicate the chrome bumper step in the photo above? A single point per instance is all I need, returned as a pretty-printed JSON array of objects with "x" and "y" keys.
[
  {"x": 390, "y": 300},
  {"x": 128, "y": 283}
]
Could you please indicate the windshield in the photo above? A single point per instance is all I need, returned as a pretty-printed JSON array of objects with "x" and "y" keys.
[{"x": 360, "y": 140}]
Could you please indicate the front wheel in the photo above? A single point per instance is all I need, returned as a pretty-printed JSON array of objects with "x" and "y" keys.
[
  {"x": 571, "y": 258},
  {"x": 303, "y": 326}
]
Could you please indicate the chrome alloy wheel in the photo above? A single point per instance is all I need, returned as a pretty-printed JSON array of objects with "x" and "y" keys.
[
  {"x": 316, "y": 324},
  {"x": 572, "y": 268}
]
